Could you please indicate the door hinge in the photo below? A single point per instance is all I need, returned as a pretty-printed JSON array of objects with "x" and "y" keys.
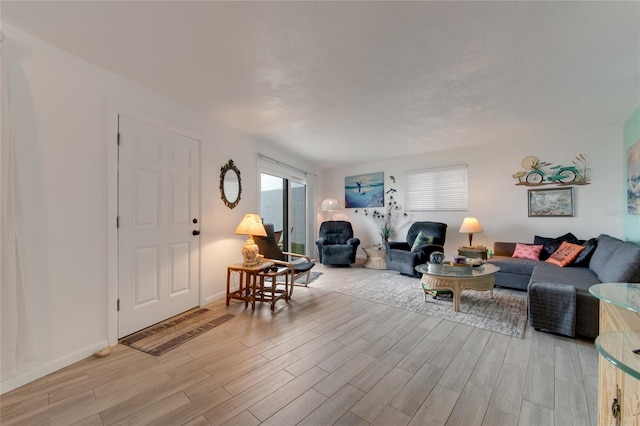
[
  {"x": 118, "y": 305},
  {"x": 118, "y": 138},
  {"x": 117, "y": 221}
]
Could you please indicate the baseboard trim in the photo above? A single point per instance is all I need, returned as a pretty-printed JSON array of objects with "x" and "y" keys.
[
  {"x": 38, "y": 371},
  {"x": 215, "y": 297}
]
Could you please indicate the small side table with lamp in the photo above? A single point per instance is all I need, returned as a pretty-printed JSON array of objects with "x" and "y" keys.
[
  {"x": 251, "y": 267},
  {"x": 250, "y": 225},
  {"x": 470, "y": 225},
  {"x": 255, "y": 270}
]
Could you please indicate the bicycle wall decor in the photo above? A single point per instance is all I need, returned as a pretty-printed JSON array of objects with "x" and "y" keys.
[{"x": 538, "y": 173}]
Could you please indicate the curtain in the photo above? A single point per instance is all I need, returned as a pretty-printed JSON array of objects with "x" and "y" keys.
[{"x": 16, "y": 344}]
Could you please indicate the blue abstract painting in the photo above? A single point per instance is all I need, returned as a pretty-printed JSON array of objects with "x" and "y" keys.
[{"x": 364, "y": 190}]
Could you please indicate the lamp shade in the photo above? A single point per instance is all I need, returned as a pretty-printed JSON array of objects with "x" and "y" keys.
[
  {"x": 251, "y": 224},
  {"x": 470, "y": 224},
  {"x": 330, "y": 204}
]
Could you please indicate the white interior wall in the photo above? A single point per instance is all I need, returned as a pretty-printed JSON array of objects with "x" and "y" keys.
[
  {"x": 59, "y": 110},
  {"x": 60, "y": 116},
  {"x": 219, "y": 247},
  {"x": 59, "y": 106},
  {"x": 500, "y": 205}
]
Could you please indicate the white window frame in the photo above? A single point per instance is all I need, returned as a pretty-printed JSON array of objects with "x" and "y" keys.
[
  {"x": 437, "y": 189},
  {"x": 276, "y": 168}
]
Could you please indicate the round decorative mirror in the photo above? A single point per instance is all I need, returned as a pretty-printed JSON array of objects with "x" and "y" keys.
[{"x": 230, "y": 184}]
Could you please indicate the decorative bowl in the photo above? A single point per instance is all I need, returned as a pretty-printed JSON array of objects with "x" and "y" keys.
[
  {"x": 436, "y": 258},
  {"x": 458, "y": 260}
]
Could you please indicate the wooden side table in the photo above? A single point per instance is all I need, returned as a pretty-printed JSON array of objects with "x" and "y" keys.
[
  {"x": 248, "y": 278},
  {"x": 473, "y": 252},
  {"x": 270, "y": 289},
  {"x": 376, "y": 257}
]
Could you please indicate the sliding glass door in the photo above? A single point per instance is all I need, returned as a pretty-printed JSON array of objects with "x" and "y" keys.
[
  {"x": 298, "y": 217},
  {"x": 283, "y": 203}
]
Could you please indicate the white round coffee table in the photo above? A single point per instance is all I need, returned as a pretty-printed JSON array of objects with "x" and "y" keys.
[{"x": 479, "y": 278}]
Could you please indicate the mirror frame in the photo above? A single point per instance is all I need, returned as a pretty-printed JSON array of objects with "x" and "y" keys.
[{"x": 230, "y": 166}]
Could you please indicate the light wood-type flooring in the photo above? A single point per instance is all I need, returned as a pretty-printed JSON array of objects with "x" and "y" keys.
[{"x": 325, "y": 358}]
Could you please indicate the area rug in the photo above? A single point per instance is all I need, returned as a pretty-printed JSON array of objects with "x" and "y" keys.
[
  {"x": 505, "y": 313},
  {"x": 162, "y": 337}
]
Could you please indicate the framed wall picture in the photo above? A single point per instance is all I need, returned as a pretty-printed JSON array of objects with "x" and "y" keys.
[
  {"x": 364, "y": 190},
  {"x": 551, "y": 202},
  {"x": 633, "y": 179}
]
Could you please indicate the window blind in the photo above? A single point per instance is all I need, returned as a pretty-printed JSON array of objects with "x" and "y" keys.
[{"x": 437, "y": 189}]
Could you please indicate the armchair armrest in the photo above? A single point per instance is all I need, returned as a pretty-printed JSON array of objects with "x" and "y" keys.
[
  {"x": 302, "y": 256},
  {"x": 355, "y": 242},
  {"x": 321, "y": 241},
  {"x": 424, "y": 251},
  {"x": 398, "y": 245}
]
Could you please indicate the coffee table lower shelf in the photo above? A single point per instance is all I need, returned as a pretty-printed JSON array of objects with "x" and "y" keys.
[{"x": 480, "y": 279}]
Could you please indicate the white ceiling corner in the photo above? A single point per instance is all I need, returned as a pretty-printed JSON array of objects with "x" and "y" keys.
[{"x": 348, "y": 82}]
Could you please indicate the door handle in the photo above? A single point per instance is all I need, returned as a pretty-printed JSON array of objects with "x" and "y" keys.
[{"x": 195, "y": 232}]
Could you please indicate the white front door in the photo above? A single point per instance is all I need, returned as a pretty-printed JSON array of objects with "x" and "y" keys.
[{"x": 158, "y": 212}]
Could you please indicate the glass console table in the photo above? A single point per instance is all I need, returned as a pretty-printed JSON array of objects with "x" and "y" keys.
[{"x": 620, "y": 348}]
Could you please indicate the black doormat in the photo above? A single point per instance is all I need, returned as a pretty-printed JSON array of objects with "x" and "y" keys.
[{"x": 166, "y": 335}]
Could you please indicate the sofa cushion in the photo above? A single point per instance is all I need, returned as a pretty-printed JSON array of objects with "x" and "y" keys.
[
  {"x": 550, "y": 245},
  {"x": 606, "y": 246},
  {"x": 501, "y": 248},
  {"x": 622, "y": 265},
  {"x": 580, "y": 278},
  {"x": 527, "y": 251},
  {"x": 584, "y": 257},
  {"x": 514, "y": 265},
  {"x": 537, "y": 239},
  {"x": 565, "y": 254}
]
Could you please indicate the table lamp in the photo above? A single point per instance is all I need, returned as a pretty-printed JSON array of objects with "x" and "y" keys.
[
  {"x": 250, "y": 225},
  {"x": 330, "y": 205},
  {"x": 470, "y": 225}
]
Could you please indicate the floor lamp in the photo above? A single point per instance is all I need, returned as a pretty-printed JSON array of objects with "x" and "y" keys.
[{"x": 330, "y": 205}]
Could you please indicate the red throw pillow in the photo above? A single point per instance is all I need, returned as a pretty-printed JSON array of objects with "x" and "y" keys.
[
  {"x": 565, "y": 254},
  {"x": 526, "y": 251}
]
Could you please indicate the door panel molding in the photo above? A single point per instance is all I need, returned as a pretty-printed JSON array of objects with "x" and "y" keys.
[
  {"x": 112, "y": 112},
  {"x": 161, "y": 195}
]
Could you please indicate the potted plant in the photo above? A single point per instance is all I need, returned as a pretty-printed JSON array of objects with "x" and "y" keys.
[{"x": 386, "y": 218}]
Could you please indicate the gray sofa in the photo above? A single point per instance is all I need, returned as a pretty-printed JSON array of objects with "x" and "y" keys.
[{"x": 550, "y": 307}]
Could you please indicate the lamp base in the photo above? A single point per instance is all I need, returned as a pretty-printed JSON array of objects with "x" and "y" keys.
[{"x": 249, "y": 253}]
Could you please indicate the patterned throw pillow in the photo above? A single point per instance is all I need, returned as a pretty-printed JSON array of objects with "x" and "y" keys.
[
  {"x": 550, "y": 245},
  {"x": 421, "y": 239},
  {"x": 526, "y": 251},
  {"x": 565, "y": 254}
]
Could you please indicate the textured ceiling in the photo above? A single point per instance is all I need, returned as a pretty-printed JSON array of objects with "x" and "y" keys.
[{"x": 349, "y": 82}]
